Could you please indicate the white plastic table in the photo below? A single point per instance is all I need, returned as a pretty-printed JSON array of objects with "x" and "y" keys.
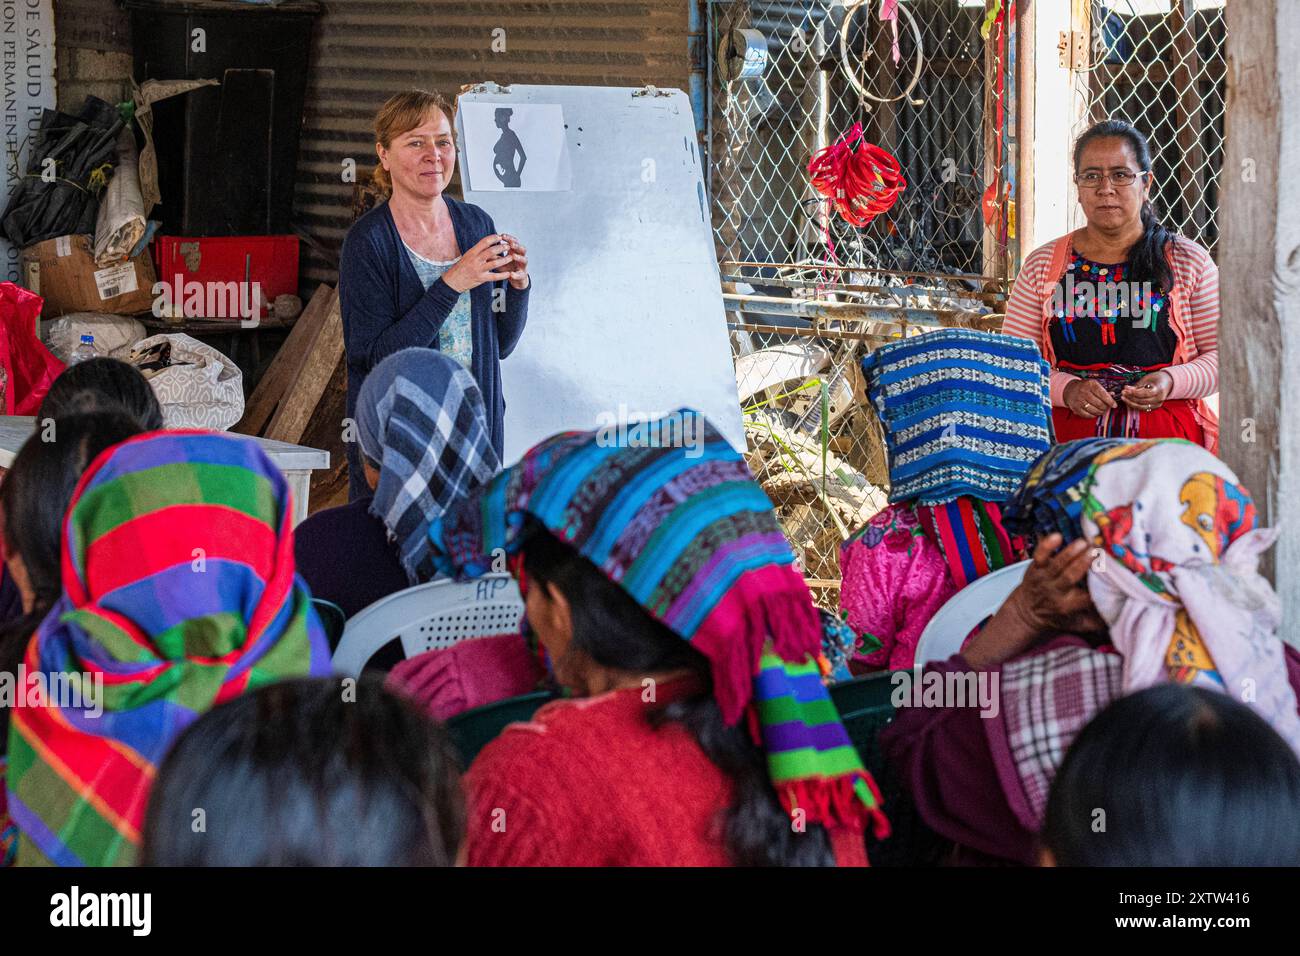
[{"x": 296, "y": 462}]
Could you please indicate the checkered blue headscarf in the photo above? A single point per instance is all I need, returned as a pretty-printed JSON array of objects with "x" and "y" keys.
[{"x": 420, "y": 417}]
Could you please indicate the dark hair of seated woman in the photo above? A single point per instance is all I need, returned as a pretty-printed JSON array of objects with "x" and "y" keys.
[
  {"x": 1175, "y": 776},
  {"x": 611, "y": 630},
  {"x": 34, "y": 498},
  {"x": 100, "y": 384},
  {"x": 308, "y": 772}
]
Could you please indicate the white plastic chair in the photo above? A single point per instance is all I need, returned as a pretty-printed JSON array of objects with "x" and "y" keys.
[
  {"x": 947, "y": 630},
  {"x": 429, "y": 617}
]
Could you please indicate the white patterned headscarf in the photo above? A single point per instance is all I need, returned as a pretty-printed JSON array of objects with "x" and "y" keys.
[{"x": 1178, "y": 580}]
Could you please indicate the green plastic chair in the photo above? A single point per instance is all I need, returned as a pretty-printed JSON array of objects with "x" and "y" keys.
[
  {"x": 865, "y": 708},
  {"x": 475, "y": 729},
  {"x": 332, "y": 617}
]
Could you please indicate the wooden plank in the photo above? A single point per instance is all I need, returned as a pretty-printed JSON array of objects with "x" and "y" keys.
[
  {"x": 813, "y": 131},
  {"x": 329, "y": 487},
  {"x": 1259, "y": 356},
  {"x": 285, "y": 366},
  {"x": 882, "y": 121},
  {"x": 308, "y": 387},
  {"x": 310, "y": 347}
]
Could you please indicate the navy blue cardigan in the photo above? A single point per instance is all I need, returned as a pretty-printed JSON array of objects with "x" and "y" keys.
[{"x": 386, "y": 309}]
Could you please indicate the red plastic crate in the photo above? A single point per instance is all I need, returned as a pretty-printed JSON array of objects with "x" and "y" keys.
[{"x": 271, "y": 261}]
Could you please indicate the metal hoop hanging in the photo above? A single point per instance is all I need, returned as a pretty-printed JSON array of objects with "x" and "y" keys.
[{"x": 850, "y": 8}]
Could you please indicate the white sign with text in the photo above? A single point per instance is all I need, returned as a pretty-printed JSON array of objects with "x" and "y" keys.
[{"x": 27, "y": 81}]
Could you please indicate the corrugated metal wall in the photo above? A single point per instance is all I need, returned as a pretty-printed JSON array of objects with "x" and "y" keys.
[{"x": 367, "y": 50}]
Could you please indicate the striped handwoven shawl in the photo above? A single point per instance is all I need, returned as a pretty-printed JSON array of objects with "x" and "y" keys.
[{"x": 964, "y": 413}]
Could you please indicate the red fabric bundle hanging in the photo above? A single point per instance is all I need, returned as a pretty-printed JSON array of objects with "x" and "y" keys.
[
  {"x": 861, "y": 183},
  {"x": 29, "y": 367}
]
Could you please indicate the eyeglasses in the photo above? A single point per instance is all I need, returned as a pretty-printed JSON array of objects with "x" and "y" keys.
[{"x": 1119, "y": 177}]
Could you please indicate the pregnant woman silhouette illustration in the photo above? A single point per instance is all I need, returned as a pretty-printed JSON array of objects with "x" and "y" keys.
[{"x": 503, "y": 153}]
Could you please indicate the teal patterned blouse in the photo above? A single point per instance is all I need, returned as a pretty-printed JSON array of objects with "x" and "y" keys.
[{"x": 454, "y": 338}]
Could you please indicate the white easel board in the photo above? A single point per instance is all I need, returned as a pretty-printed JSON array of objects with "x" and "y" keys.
[{"x": 626, "y": 317}]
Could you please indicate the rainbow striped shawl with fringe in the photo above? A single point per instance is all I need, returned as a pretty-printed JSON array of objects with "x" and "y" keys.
[
  {"x": 689, "y": 534},
  {"x": 179, "y": 594}
]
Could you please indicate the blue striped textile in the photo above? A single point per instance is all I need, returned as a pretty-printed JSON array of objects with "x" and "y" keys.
[
  {"x": 1052, "y": 495},
  {"x": 964, "y": 413}
]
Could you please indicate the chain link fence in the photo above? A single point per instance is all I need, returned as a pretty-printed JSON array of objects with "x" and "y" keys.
[
  {"x": 810, "y": 295},
  {"x": 927, "y": 110},
  {"x": 1160, "y": 65}
]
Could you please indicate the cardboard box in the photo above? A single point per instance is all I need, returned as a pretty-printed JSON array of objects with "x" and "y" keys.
[{"x": 62, "y": 271}]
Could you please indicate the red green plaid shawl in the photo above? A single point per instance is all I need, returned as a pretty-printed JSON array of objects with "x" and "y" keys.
[{"x": 179, "y": 593}]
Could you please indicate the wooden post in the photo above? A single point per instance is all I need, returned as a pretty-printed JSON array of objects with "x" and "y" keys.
[
  {"x": 1084, "y": 112},
  {"x": 726, "y": 151},
  {"x": 813, "y": 128},
  {"x": 881, "y": 121},
  {"x": 1025, "y": 107},
  {"x": 1259, "y": 261},
  {"x": 1049, "y": 116},
  {"x": 991, "y": 251}
]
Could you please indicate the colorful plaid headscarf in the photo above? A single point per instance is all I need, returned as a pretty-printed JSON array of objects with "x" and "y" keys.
[
  {"x": 689, "y": 534},
  {"x": 420, "y": 417},
  {"x": 179, "y": 593}
]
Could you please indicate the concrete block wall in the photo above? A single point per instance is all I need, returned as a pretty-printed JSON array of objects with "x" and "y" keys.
[{"x": 93, "y": 51}]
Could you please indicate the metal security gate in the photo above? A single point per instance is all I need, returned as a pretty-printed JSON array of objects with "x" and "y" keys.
[
  {"x": 809, "y": 295},
  {"x": 1160, "y": 65}
]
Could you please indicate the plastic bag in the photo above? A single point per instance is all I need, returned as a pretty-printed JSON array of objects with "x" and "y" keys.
[
  {"x": 196, "y": 385},
  {"x": 114, "y": 334},
  {"x": 120, "y": 221},
  {"x": 30, "y": 368}
]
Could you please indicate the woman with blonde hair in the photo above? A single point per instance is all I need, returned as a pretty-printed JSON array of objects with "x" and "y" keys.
[{"x": 423, "y": 270}]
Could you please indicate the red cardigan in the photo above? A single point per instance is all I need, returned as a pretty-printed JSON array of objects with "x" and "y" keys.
[{"x": 589, "y": 782}]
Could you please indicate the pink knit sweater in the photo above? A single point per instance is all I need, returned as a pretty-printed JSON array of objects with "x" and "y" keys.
[{"x": 1195, "y": 276}]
